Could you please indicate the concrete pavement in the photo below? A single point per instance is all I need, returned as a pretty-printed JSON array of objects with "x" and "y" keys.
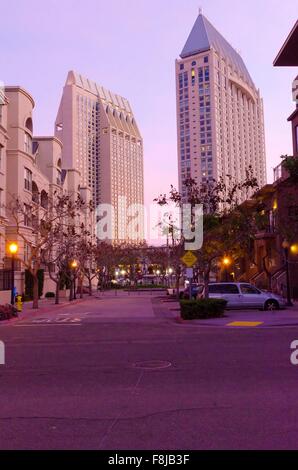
[{"x": 125, "y": 375}]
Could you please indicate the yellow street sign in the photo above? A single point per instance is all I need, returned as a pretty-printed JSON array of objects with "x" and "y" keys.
[{"x": 189, "y": 259}]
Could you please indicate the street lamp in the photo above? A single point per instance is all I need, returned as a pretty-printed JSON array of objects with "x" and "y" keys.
[
  {"x": 226, "y": 261},
  {"x": 73, "y": 265},
  {"x": 294, "y": 249},
  {"x": 286, "y": 246},
  {"x": 13, "y": 249}
]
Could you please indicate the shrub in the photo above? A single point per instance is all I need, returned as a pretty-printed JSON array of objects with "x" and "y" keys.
[
  {"x": 7, "y": 311},
  {"x": 49, "y": 295},
  {"x": 204, "y": 308}
]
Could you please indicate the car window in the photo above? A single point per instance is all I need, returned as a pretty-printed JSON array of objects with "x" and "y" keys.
[
  {"x": 229, "y": 289},
  {"x": 247, "y": 289},
  {"x": 214, "y": 289},
  {"x": 223, "y": 289}
]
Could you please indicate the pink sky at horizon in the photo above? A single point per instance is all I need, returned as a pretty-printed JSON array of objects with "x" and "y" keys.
[{"x": 130, "y": 47}]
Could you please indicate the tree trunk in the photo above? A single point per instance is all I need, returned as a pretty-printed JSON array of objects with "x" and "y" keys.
[
  {"x": 71, "y": 290},
  {"x": 206, "y": 284},
  {"x": 90, "y": 286},
  {"x": 81, "y": 286},
  {"x": 57, "y": 293},
  {"x": 178, "y": 275},
  {"x": 35, "y": 291}
]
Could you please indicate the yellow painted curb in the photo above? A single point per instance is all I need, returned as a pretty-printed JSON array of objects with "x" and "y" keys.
[{"x": 245, "y": 323}]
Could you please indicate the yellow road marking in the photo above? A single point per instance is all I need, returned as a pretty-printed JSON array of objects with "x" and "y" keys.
[{"x": 245, "y": 323}]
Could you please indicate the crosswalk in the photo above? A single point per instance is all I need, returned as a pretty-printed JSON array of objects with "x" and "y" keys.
[{"x": 59, "y": 320}]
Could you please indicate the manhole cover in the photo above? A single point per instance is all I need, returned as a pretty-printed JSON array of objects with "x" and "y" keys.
[{"x": 152, "y": 365}]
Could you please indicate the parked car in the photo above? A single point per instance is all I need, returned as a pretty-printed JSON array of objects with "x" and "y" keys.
[{"x": 244, "y": 295}]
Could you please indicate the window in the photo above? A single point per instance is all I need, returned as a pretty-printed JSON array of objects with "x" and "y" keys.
[
  {"x": 206, "y": 59},
  {"x": 27, "y": 179},
  {"x": 27, "y": 215},
  {"x": 248, "y": 289},
  {"x": 223, "y": 289},
  {"x": 27, "y": 143}
]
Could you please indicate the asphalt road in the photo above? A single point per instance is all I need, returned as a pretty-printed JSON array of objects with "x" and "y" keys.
[{"x": 79, "y": 379}]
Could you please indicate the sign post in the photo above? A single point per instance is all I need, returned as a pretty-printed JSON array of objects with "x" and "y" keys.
[{"x": 189, "y": 259}]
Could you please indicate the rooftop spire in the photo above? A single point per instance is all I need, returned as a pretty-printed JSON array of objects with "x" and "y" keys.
[{"x": 204, "y": 36}]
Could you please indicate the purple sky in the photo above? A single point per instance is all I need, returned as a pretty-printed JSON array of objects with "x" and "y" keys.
[{"x": 130, "y": 46}]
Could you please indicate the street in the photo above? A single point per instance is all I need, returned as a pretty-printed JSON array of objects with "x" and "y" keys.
[{"x": 118, "y": 372}]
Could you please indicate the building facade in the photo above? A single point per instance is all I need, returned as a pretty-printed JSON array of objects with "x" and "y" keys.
[
  {"x": 220, "y": 120},
  {"x": 277, "y": 205},
  {"x": 102, "y": 141},
  {"x": 31, "y": 173}
]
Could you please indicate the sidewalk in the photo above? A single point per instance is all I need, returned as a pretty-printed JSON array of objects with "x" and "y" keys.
[
  {"x": 45, "y": 306},
  {"x": 249, "y": 318},
  {"x": 244, "y": 318}
]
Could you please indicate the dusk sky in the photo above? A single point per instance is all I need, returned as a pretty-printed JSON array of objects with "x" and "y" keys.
[{"x": 130, "y": 47}]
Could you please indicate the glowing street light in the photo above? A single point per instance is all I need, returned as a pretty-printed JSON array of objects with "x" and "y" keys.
[
  {"x": 13, "y": 249},
  {"x": 74, "y": 264},
  {"x": 226, "y": 262},
  {"x": 294, "y": 249}
]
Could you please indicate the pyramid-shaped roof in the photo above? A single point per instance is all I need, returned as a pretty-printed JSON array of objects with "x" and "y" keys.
[{"x": 204, "y": 36}]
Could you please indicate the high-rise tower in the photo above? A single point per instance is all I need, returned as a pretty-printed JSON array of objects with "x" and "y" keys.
[
  {"x": 220, "y": 119},
  {"x": 101, "y": 139}
]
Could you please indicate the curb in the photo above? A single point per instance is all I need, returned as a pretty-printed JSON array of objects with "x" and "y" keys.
[{"x": 32, "y": 313}]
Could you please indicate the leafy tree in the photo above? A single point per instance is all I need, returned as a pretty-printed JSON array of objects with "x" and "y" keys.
[
  {"x": 44, "y": 230},
  {"x": 228, "y": 224}
]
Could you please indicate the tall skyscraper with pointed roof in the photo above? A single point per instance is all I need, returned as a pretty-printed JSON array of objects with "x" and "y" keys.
[{"x": 220, "y": 120}]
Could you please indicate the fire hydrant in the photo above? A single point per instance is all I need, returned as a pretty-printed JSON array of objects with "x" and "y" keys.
[{"x": 19, "y": 303}]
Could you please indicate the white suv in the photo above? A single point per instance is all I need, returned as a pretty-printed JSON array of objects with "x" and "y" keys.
[{"x": 243, "y": 295}]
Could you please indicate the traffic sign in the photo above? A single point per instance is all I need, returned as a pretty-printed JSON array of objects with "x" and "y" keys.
[{"x": 189, "y": 259}]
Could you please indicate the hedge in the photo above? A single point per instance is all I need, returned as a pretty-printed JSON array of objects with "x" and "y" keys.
[
  {"x": 204, "y": 308},
  {"x": 49, "y": 295}
]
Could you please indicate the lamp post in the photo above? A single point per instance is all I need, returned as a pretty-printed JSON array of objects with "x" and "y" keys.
[
  {"x": 73, "y": 265},
  {"x": 13, "y": 249},
  {"x": 170, "y": 273},
  {"x": 286, "y": 246},
  {"x": 226, "y": 263}
]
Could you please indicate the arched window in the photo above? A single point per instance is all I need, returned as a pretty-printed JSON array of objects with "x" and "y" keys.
[
  {"x": 35, "y": 193},
  {"x": 44, "y": 199},
  {"x": 29, "y": 124}
]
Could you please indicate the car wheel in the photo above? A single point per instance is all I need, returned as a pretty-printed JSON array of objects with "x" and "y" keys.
[{"x": 271, "y": 304}]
